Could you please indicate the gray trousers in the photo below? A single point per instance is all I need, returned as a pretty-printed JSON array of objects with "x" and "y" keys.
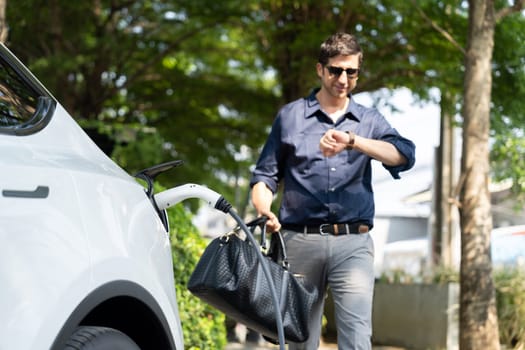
[{"x": 346, "y": 264}]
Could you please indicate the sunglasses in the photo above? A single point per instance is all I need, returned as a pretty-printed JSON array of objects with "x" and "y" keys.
[{"x": 337, "y": 71}]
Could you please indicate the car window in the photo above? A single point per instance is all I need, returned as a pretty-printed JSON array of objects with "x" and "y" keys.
[
  {"x": 17, "y": 102},
  {"x": 23, "y": 107}
]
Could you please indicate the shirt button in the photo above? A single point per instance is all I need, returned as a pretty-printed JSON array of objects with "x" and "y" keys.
[
  {"x": 333, "y": 169},
  {"x": 332, "y": 189}
]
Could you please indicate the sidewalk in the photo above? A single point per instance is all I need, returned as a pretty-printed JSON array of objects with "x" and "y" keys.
[
  {"x": 240, "y": 332},
  {"x": 267, "y": 346}
]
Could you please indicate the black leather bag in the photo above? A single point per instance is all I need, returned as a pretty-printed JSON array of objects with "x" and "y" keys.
[{"x": 229, "y": 277}]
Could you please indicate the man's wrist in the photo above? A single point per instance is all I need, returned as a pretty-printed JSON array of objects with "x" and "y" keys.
[{"x": 351, "y": 140}]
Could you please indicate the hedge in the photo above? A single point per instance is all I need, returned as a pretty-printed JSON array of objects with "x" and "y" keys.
[{"x": 203, "y": 326}]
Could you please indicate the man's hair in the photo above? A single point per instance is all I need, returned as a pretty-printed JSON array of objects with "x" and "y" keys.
[{"x": 339, "y": 44}]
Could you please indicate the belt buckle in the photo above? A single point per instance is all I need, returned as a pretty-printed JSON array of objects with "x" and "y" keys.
[{"x": 321, "y": 232}]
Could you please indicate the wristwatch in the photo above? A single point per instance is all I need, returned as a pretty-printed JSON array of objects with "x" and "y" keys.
[{"x": 351, "y": 140}]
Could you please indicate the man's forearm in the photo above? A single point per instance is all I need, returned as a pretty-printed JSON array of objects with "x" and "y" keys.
[
  {"x": 262, "y": 198},
  {"x": 383, "y": 151}
]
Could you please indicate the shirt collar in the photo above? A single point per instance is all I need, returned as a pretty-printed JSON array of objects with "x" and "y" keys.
[{"x": 312, "y": 106}]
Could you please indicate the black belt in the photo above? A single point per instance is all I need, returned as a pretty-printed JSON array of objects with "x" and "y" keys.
[{"x": 332, "y": 229}]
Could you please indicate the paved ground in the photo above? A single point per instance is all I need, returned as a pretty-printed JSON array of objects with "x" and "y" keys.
[
  {"x": 240, "y": 333},
  {"x": 267, "y": 346}
]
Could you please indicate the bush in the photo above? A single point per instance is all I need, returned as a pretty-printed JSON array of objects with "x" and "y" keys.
[
  {"x": 203, "y": 326},
  {"x": 436, "y": 274},
  {"x": 510, "y": 298}
]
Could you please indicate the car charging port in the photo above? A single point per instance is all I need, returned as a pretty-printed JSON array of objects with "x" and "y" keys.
[{"x": 149, "y": 175}]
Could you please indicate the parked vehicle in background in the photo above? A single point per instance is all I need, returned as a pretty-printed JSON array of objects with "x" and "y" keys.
[
  {"x": 410, "y": 257},
  {"x": 85, "y": 257},
  {"x": 508, "y": 246}
]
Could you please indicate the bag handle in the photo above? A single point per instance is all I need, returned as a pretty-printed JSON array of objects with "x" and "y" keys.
[
  {"x": 277, "y": 251},
  {"x": 261, "y": 222}
]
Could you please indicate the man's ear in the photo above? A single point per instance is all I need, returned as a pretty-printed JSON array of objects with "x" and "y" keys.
[{"x": 319, "y": 67}]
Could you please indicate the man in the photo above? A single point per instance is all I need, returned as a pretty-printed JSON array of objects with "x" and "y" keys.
[{"x": 320, "y": 148}]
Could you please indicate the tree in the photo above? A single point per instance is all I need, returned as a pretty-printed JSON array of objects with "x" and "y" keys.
[
  {"x": 3, "y": 22},
  {"x": 153, "y": 80},
  {"x": 478, "y": 318},
  {"x": 289, "y": 34}
]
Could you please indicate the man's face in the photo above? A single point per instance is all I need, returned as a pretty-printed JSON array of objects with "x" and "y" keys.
[{"x": 339, "y": 76}]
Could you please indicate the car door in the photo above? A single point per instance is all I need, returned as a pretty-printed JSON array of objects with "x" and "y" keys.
[{"x": 40, "y": 224}]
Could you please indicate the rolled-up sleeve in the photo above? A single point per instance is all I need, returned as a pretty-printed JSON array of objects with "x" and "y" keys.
[
  {"x": 267, "y": 167},
  {"x": 407, "y": 148}
]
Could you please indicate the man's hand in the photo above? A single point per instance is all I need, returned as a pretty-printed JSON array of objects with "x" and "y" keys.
[
  {"x": 333, "y": 142},
  {"x": 273, "y": 224}
]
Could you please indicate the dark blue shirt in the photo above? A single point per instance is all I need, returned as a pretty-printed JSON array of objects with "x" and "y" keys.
[{"x": 319, "y": 189}]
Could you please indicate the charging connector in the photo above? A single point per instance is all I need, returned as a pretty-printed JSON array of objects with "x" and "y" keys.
[{"x": 168, "y": 198}]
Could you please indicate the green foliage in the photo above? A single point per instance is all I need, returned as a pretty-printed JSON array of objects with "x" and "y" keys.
[
  {"x": 207, "y": 77},
  {"x": 436, "y": 274},
  {"x": 140, "y": 145},
  {"x": 508, "y": 160},
  {"x": 510, "y": 298},
  {"x": 184, "y": 70},
  {"x": 508, "y": 94},
  {"x": 444, "y": 274},
  {"x": 398, "y": 276},
  {"x": 203, "y": 326}
]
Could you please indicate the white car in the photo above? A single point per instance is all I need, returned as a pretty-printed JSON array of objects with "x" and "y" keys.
[{"x": 85, "y": 259}]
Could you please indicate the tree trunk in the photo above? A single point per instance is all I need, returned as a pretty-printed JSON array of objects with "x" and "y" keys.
[
  {"x": 444, "y": 226},
  {"x": 3, "y": 22},
  {"x": 478, "y": 316}
]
